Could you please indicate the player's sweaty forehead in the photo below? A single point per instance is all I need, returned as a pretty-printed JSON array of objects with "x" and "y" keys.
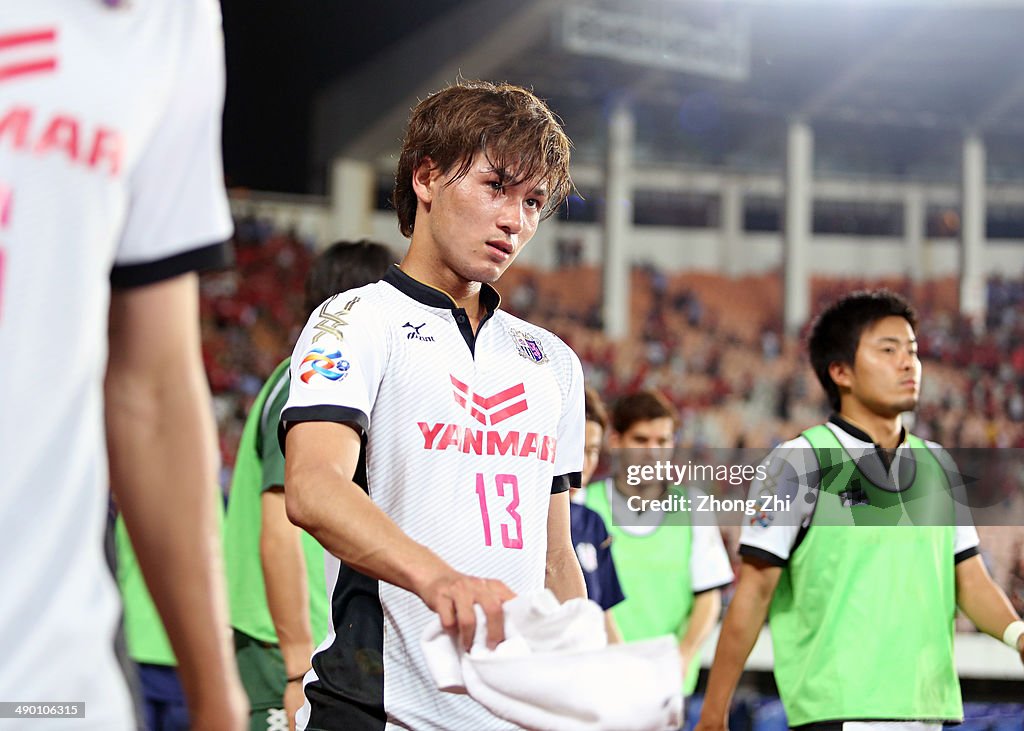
[{"x": 513, "y": 169}]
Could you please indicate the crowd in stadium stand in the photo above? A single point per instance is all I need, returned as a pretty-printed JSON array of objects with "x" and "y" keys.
[
  {"x": 251, "y": 316},
  {"x": 712, "y": 344}
]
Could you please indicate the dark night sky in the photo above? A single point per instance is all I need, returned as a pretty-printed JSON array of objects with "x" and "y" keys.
[{"x": 279, "y": 55}]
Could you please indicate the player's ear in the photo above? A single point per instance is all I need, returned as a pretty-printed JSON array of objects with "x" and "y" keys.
[
  {"x": 841, "y": 374},
  {"x": 614, "y": 439},
  {"x": 424, "y": 177}
]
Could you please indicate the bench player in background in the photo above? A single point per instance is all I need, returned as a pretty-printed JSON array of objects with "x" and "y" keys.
[
  {"x": 672, "y": 568},
  {"x": 111, "y": 196},
  {"x": 861, "y": 603},
  {"x": 589, "y": 535}
]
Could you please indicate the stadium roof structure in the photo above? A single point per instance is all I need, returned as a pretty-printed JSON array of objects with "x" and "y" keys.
[{"x": 890, "y": 89}]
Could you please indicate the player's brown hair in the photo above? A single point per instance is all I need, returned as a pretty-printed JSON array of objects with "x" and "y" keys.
[
  {"x": 345, "y": 265},
  {"x": 642, "y": 406},
  {"x": 594, "y": 408},
  {"x": 521, "y": 137}
]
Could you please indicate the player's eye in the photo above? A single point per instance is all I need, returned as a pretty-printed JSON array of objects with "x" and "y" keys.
[{"x": 496, "y": 185}]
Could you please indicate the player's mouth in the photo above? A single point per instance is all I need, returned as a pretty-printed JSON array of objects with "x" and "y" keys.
[{"x": 500, "y": 249}]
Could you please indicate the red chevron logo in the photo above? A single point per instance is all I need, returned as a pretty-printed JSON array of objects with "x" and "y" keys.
[
  {"x": 28, "y": 52},
  {"x": 491, "y": 410}
]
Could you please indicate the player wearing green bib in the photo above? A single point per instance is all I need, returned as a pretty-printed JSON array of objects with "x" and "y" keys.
[
  {"x": 861, "y": 578},
  {"x": 671, "y": 572},
  {"x": 275, "y": 571}
]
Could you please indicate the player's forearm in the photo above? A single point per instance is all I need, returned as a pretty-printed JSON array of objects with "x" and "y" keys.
[
  {"x": 284, "y": 577},
  {"x": 336, "y": 511},
  {"x": 563, "y": 575},
  {"x": 740, "y": 628},
  {"x": 706, "y": 607},
  {"x": 981, "y": 599},
  {"x": 163, "y": 472},
  {"x": 611, "y": 629}
]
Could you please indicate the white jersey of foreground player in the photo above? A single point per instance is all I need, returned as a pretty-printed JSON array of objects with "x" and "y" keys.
[{"x": 109, "y": 162}]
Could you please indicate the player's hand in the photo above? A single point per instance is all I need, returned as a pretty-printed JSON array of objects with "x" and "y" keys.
[
  {"x": 453, "y": 597},
  {"x": 293, "y": 700},
  {"x": 1020, "y": 648}
]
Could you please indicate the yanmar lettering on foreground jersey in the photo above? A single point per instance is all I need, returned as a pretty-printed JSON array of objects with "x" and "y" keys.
[
  {"x": 467, "y": 438},
  {"x": 110, "y": 171}
]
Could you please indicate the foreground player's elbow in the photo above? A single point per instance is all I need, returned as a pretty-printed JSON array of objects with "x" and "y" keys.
[{"x": 299, "y": 502}]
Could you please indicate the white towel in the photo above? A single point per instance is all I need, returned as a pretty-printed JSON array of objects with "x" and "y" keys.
[{"x": 556, "y": 672}]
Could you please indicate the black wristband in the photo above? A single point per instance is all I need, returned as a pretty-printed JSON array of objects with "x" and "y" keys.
[{"x": 297, "y": 678}]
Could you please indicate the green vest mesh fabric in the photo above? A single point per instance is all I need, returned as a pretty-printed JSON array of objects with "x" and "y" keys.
[
  {"x": 862, "y": 617},
  {"x": 654, "y": 571}
]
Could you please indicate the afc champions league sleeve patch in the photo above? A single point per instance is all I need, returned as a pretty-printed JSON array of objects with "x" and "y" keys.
[
  {"x": 321, "y": 366},
  {"x": 528, "y": 346}
]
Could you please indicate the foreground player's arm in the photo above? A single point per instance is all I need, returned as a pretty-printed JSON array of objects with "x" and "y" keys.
[
  {"x": 706, "y": 607},
  {"x": 284, "y": 576},
  {"x": 322, "y": 498},
  {"x": 740, "y": 628},
  {"x": 983, "y": 601},
  {"x": 562, "y": 572},
  {"x": 611, "y": 629},
  {"x": 163, "y": 469}
]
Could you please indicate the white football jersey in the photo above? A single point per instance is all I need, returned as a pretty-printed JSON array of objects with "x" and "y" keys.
[
  {"x": 110, "y": 172},
  {"x": 467, "y": 437}
]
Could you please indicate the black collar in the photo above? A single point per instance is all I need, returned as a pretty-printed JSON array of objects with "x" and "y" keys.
[
  {"x": 433, "y": 297},
  {"x": 858, "y": 433}
]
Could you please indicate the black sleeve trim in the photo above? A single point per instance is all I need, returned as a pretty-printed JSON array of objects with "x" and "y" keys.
[
  {"x": 214, "y": 256},
  {"x": 561, "y": 483},
  {"x": 762, "y": 555},
  {"x": 336, "y": 414},
  {"x": 712, "y": 588},
  {"x": 966, "y": 554}
]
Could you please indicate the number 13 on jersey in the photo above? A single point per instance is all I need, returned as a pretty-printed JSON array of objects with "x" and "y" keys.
[{"x": 506, "y": 488}]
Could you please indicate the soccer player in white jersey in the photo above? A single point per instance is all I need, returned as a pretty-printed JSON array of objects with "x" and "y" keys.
[
  {"x": 431, "y": 438},
  {"x": 111, "y": 195}
]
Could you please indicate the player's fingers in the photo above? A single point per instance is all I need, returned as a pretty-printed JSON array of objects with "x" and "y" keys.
[
  {"x": 495, "y": 621},
  {"x": 503, "y": 592},
  {"x": 465, "y": 618},
  {"x": 446, "y": 611}
]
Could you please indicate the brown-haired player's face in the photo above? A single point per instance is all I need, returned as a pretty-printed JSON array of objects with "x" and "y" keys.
[
  {"x": 477, "y": 225},
  {"x": 645, "y": 442},
  {"x": 886, "y": 374},
  {"x": 593, "y": 436}
]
